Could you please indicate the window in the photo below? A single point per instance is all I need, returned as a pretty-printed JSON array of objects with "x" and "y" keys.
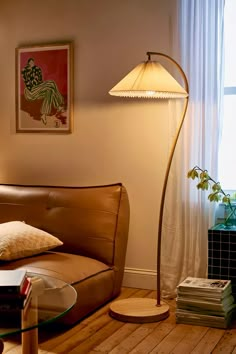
[{"x": 227, "y": 153}]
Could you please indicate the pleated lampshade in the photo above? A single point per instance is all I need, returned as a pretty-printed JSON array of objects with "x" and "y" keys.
[{"x": 149, "y": 79}]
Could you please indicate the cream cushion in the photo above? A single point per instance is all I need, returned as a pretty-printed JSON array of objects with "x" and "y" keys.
[{"x": 18, "y": 240}]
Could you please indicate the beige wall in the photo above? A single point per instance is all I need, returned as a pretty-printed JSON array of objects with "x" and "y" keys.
[{"x": 114, "y": 140}]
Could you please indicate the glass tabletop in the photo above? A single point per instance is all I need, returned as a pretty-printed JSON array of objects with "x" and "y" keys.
[{"x": 51, "y": 299}]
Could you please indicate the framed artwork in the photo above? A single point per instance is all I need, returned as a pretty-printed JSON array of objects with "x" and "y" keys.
[{"x": 44, "y": 88}]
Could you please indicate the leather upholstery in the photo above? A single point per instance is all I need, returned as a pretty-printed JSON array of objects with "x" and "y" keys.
[{"x": 93, "y": 224}]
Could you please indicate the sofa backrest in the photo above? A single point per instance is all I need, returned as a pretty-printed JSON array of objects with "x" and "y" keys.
[{"x": 90, "y": 221}]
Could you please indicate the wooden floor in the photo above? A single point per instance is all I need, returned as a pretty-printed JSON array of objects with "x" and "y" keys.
[{"x": 99, "y": 333}]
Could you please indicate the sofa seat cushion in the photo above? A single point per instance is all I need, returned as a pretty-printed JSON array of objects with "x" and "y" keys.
[
  {"x": 92, "y": 279},
  {"x": 68, "y": 267}
]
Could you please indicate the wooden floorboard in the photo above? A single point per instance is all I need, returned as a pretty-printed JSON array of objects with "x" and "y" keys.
[{"x": 101, "y": 334}]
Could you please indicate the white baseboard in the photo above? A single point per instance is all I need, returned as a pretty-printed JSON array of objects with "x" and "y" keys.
[{"x": 139, "y": 278}]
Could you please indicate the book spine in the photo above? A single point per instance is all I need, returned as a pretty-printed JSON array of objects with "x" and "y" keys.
[
  {"x": 10, "y": 290},
  {"x": 12, "y": 305},
  {"x": 14, "y": 290}
]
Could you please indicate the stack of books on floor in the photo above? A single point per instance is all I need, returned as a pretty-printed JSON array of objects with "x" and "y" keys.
[
  {"x": 205, "y": 302},
  {"x": 15, "y": 290}
]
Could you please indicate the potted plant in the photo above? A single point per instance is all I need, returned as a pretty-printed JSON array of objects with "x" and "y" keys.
[{"x": 217, "y": 194}]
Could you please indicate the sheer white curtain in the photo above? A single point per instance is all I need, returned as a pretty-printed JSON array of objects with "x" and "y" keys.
[{"x": 188, "y": 214}]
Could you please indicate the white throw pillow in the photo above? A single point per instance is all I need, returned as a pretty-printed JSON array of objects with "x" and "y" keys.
[{"x": 19, "y": 240}]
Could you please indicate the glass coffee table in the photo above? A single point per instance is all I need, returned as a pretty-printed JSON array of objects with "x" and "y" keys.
[{"x": 51, "y": 299}]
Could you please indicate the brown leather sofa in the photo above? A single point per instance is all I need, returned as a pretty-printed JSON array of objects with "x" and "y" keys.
[{"x": 92, "y": 222}]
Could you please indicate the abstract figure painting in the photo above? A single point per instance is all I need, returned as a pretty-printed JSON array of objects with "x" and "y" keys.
[{"x": 44, "y": 88}]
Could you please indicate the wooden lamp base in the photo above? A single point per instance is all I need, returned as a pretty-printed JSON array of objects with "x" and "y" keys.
[{"x": 139, "y": 310}]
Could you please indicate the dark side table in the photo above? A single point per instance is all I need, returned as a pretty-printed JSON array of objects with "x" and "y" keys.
[{"x": 222, "y": 254}]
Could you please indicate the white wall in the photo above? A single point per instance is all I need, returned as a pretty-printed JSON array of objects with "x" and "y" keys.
[{"x": 114, "y": 139}]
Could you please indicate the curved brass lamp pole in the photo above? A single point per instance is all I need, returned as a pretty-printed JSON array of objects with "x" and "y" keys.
[
  {"x": 151, "y": 80},
  {"x": 161, "y": 212}
]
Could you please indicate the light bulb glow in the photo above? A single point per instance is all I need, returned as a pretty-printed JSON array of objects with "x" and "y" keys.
[{"x": 150, "y": 93}]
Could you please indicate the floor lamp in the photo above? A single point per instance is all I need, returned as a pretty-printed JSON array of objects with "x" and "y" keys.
[{"x": 150, "y": 79}]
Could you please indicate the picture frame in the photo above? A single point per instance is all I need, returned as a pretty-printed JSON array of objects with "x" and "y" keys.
[{"x": 44, "y": 88}]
